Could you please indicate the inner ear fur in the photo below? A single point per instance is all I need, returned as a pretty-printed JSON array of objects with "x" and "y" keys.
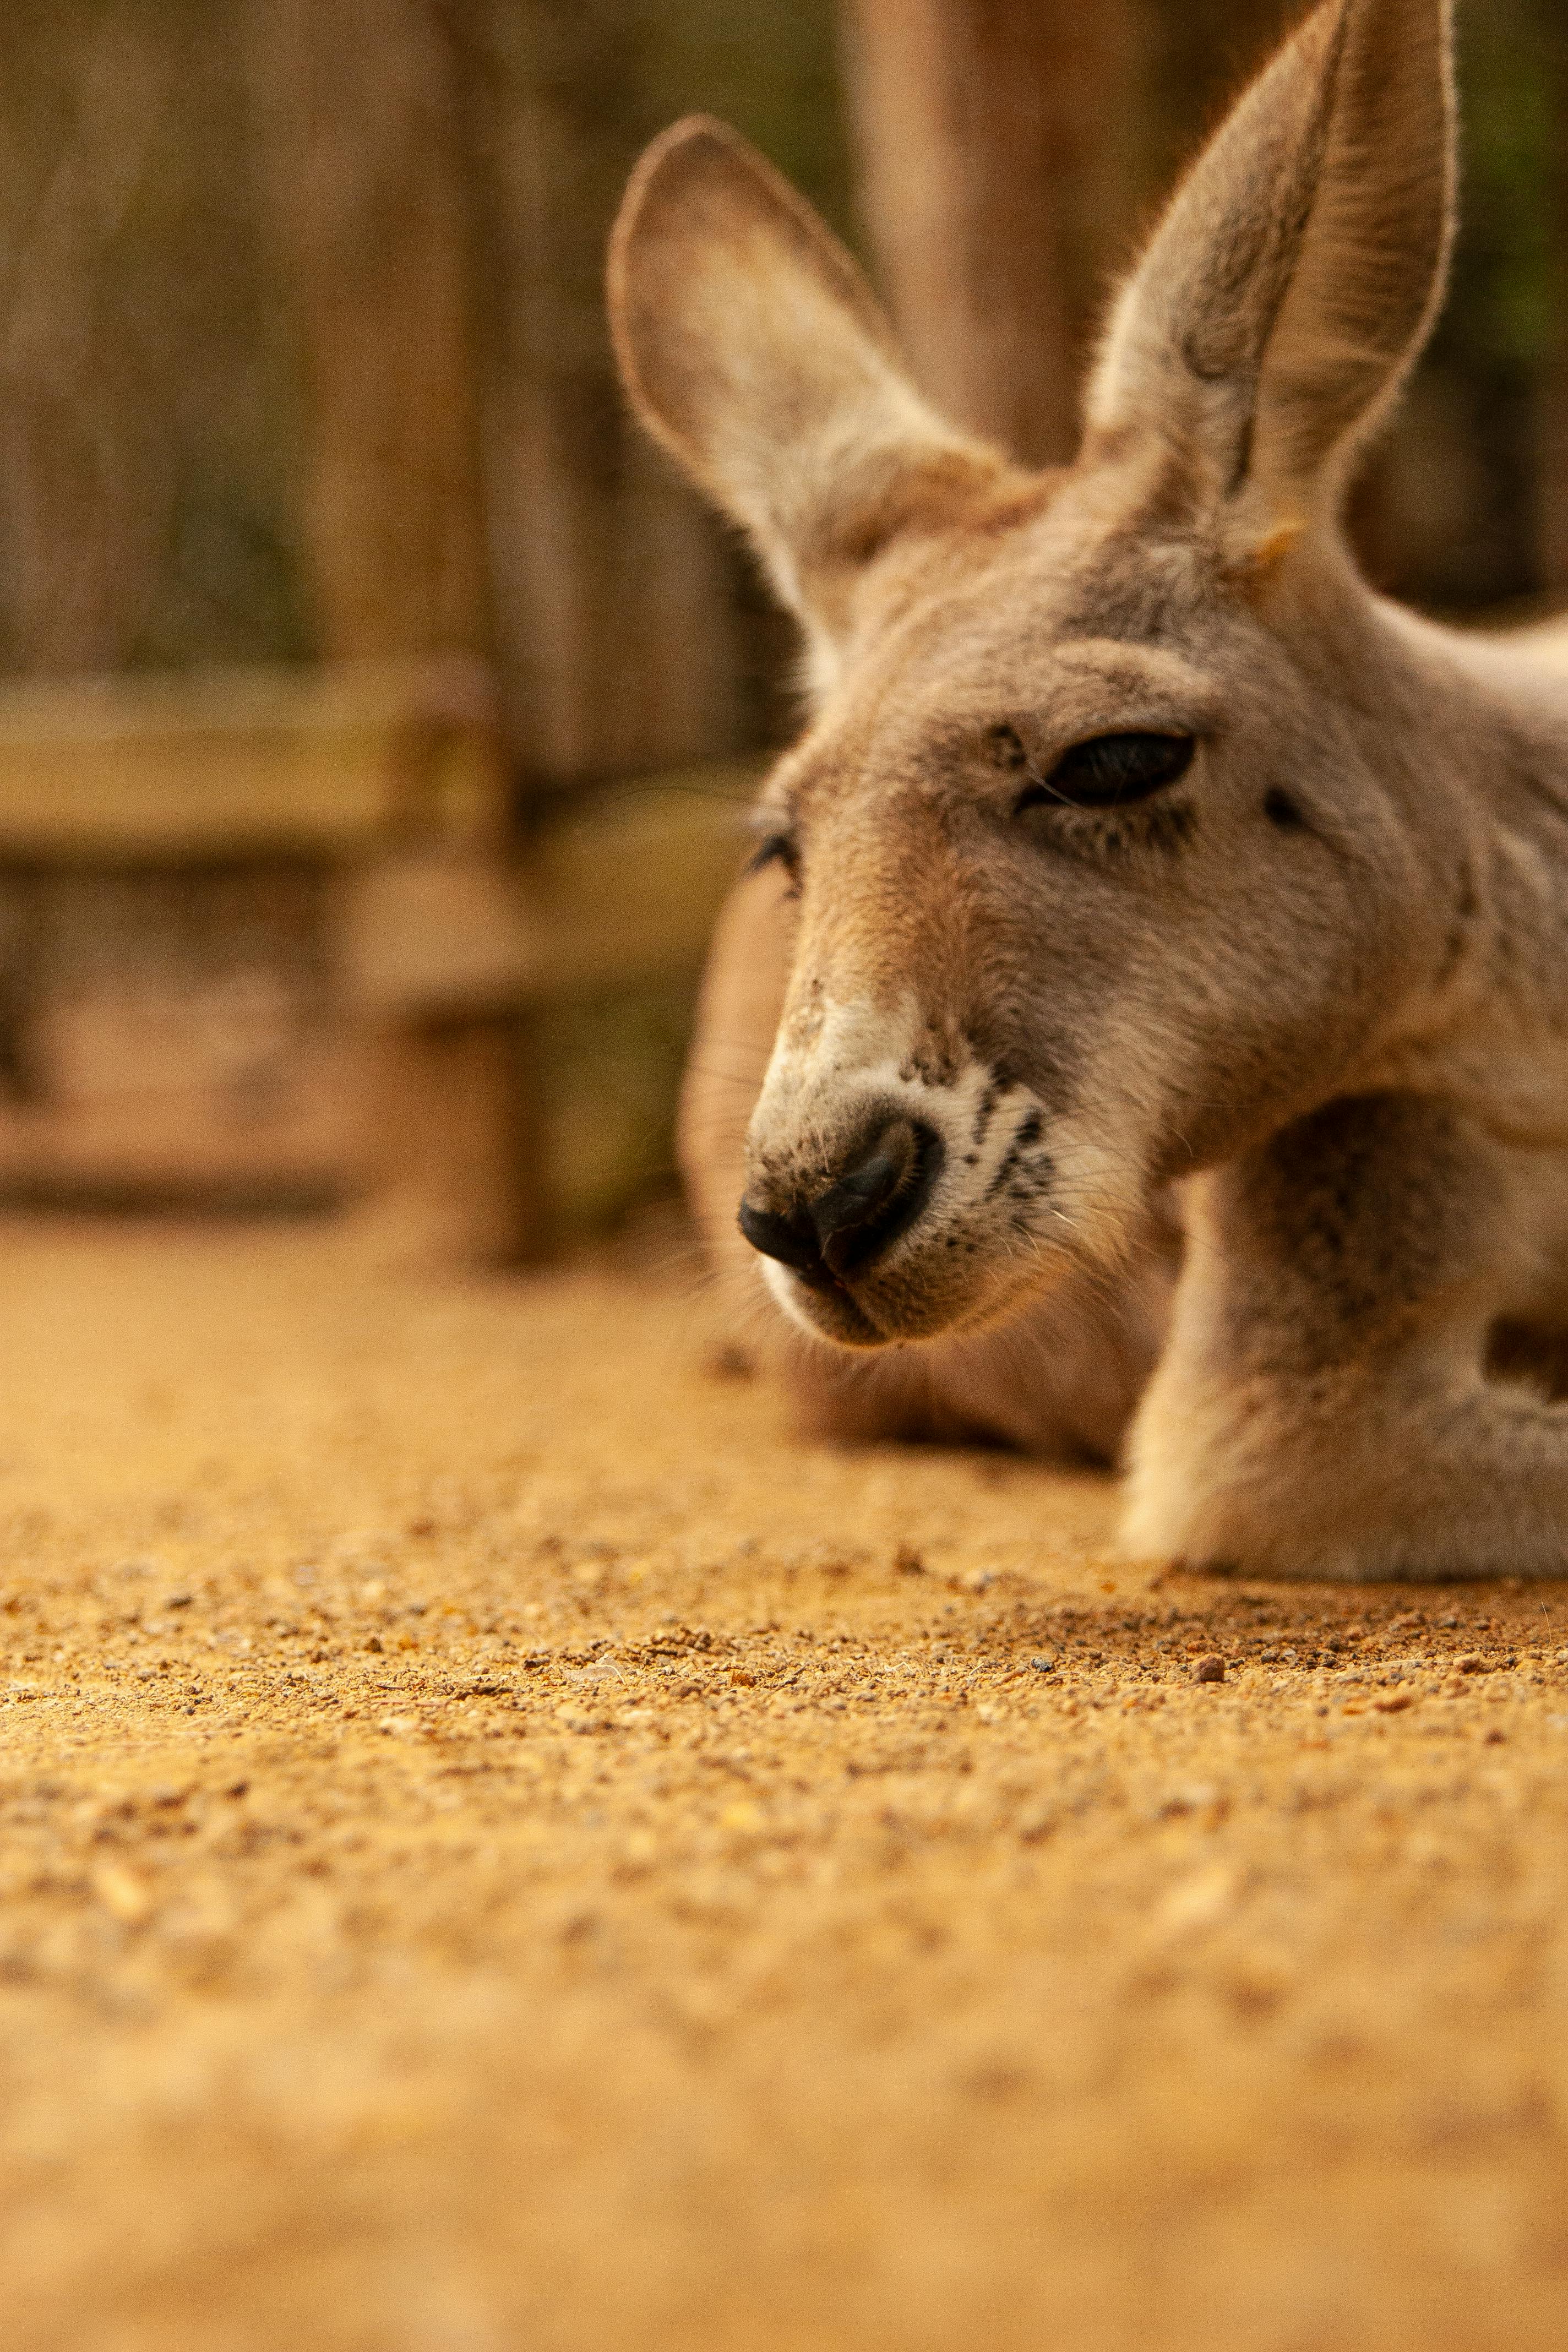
[
  {"x": 755, "y": 351},
  {"x": 1295, "y": 277}
]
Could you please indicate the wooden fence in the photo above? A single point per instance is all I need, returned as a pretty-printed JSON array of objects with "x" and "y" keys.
[{"x": 269, "y": 938}]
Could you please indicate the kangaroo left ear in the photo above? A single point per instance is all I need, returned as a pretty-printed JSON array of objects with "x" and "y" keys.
[
  {"x": 755, "y": 351},
  {"x": 1296, "y": 277}
]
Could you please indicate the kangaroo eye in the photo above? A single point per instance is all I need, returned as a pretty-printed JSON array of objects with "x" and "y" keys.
[
  {"x": 776, "y": 849},
  {"x": 1110, "y": 771}
]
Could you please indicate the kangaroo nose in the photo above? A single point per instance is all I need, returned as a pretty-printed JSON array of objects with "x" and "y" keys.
[{"x": 859, "y": 1216}]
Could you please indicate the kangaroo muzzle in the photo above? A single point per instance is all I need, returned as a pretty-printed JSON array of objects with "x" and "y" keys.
[{"x": 829, "y": 1235}]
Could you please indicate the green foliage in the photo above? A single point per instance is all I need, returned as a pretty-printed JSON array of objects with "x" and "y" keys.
[{"x": 1502, "y": 301}]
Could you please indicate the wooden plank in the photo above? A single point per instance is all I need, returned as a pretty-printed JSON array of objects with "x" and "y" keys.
[
  {"x": 234, "y": 764},
  {"x": 622, "y": 892},
  {"x": 149, "y": 1145},
  {"x": 632, "y": 880}
]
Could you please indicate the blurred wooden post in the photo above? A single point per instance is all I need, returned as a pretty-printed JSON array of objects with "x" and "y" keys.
[
  {"x": 1552, "y": 449},
  {"x": 373, "y": 218},
  {"x": 604, "y": 564},
  {"x": 994, "y": 141},
  {"x": 365, "y": 196},
  {"x": 86, "y": 448},
  {"x": 1199, "y": 57}
]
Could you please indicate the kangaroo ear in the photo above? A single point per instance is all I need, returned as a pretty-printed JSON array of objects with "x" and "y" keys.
[
  {"x": 1297, "y": 274},
  {"x": 753, "y": 349}
]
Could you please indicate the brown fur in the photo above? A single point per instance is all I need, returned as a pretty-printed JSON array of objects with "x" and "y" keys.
[{"x": 1319, "y": 984}]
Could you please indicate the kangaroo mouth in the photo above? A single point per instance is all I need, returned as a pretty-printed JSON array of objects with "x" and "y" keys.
[
  {"x": 915, "y": 1214},
  {"x": 841, "y": 1240},
  {"x": 829, "y": 1309}
]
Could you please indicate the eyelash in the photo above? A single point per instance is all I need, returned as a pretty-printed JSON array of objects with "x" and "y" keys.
[
  {"x": 776, "y": 849},
  {"x": 1104, "y": 772}
]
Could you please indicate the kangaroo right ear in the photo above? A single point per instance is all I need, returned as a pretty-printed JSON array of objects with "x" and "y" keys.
[
  {"x": 1293, "y": 281},
  {"x": 753, "y": 349}
]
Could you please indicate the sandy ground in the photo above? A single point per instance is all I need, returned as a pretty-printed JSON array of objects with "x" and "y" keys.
[{"x": 499, "y": 1847}]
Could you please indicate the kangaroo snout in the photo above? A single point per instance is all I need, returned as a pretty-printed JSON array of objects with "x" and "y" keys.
[
  {"x": 830, "y": 1234},
  {"x": 889, "y": 1205}
]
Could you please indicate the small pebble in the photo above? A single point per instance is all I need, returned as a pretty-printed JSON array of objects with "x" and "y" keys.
[
  {"x": 1043, "y": 1666},
  {"x": 1209, "y": 1670},
  {"x": 123, "y": 1893}
]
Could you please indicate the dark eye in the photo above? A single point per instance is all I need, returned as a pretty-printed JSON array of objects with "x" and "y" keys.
[
  {"x": 776, "y": 849},
  {"x": 1110, "y": 771}
]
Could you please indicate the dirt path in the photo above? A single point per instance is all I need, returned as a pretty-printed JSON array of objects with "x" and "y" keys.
[{"x": 501, "y": 1849}]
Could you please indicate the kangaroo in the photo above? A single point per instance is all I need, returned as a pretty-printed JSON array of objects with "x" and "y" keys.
[{"x": 1143, "y": 1027}]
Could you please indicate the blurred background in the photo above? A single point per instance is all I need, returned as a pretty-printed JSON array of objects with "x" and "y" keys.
[{"x": 375, "y": 706}]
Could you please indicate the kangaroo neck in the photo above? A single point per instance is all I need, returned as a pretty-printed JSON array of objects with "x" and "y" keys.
[{"x": 1487, "y": 1022}]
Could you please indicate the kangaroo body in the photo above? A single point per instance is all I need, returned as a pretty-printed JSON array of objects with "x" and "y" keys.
[{"x": 1148, "y": 1013}]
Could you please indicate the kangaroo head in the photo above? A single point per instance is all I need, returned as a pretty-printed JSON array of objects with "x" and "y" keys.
[{"x": 1096, "y": 835}]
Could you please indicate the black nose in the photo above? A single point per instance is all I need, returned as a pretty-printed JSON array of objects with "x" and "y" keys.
[{"x": 862, "y": 1213}]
